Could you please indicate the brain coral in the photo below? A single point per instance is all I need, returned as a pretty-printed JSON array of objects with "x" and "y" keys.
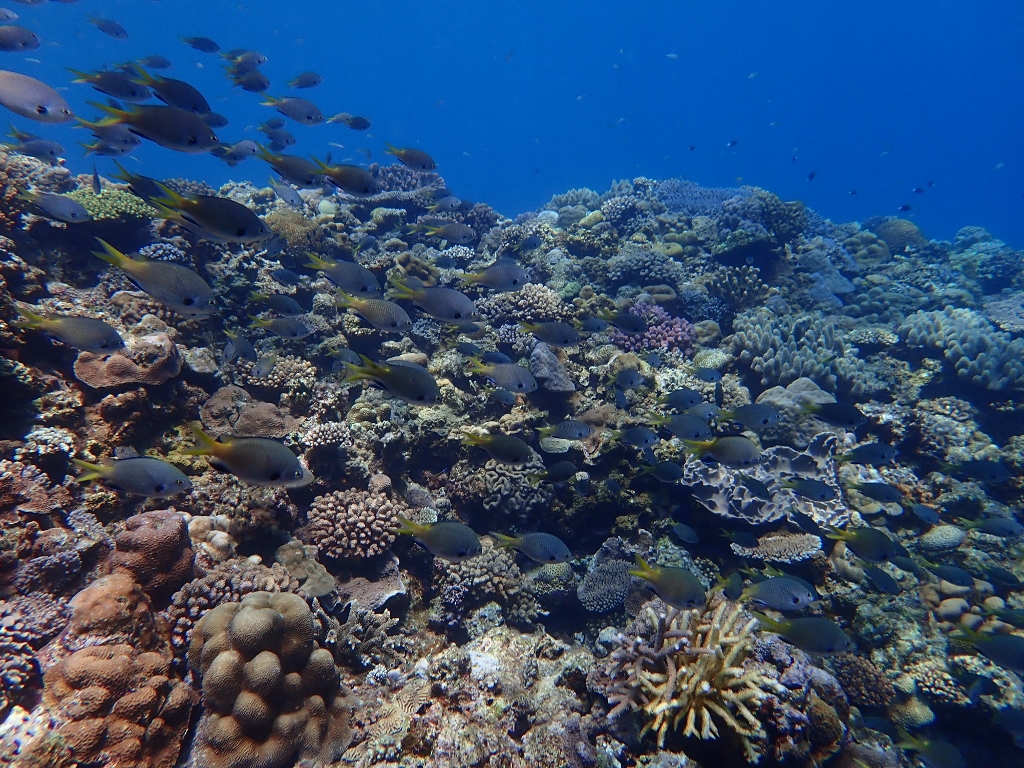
[
  {"x": 272, "y": 696},
  {"x": 150, "y": 359},
  {"x": 155, "y": 550}
]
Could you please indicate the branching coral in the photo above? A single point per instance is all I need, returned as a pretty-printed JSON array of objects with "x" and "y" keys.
[{"x": 684, "y": 671}]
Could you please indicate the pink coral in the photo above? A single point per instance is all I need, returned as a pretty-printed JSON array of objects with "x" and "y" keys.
[{"x": 664, "y": 332}]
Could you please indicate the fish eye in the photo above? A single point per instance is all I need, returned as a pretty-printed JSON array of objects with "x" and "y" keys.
[
  {"x": 298, "y": 474},
  {"x": 181, "y": 482}
]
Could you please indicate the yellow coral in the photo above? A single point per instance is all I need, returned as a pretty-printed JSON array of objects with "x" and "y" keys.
[
  {"x": 689, "y": 675},
  {"x": 113, "y": 204}
]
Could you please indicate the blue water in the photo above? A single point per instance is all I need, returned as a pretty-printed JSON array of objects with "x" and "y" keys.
[{"x": 519, "y": 100}]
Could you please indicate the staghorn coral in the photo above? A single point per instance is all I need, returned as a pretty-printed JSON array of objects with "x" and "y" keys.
[
  {"x": 271, "y": 694},
  {"x": 684, "y": 671},
  {"x": 154, "y": 548},
  {"x": 352, "y": 523},
  {"x": 980, "y": 354},
  {"x": 151, "y": 359}
]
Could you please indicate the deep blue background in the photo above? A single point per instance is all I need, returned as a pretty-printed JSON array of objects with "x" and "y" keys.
[{"x": 519, "y": 100}]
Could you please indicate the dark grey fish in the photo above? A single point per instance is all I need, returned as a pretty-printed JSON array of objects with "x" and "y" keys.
[
  {"x": 685, "y": 533},
  {"x": 503, "y": 396},
  {"x": 638, "y": 437},
  {"x": 139, "y": 476},
  {"x": 682, "y": 399},
  {"x": 559, "y": 472},
  {"x": 881, "y": 580},
  {"x": 628, "y": 378},
  {"x": 279, "y": 302},
  {"x": 33, "y": 99},
  {"x": 815, "y": 490},
  {"x": 495, "y": 357},
  {"x": 255, "y": 81},
  {"x": 710, "y": 375},
  {"x": 238, "y": 348},
  {"x": 286, "y": 277},
  {"x": 508, "y": 376},
  {"x": 109, "y": 27},
  {"x": 287, "y": 193},
  {"x": 83, "y": 333},
  {"x": 284, "y": 327},
  {"x": 203, "y": 44},
  {"x": 780, "y": 593},
  {"x": 155, "y": 61},
  {"x": 57, "y": 207},
  {"x": 305, "y": 80},
  {"x": 570, "y": 429},
  {"x": 300, "y": 110},
  {"x": 663, "y": 471},
  {"x": 685, "y": 427},
  {"x": 14, "y": 38},
  {"x": 540, "y": 547}
]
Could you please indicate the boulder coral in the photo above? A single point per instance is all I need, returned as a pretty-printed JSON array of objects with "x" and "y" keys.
[{"x": 271, "y": 695}]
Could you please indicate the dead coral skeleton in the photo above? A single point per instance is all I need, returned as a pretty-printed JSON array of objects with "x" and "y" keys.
[{"x": 687, "y": 673}]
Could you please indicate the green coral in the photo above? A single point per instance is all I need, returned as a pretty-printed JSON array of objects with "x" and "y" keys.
[{"x": 112, "y": 204}]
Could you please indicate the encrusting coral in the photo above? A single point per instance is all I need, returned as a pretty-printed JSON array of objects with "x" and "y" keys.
[{"x": 684, "y": 671}]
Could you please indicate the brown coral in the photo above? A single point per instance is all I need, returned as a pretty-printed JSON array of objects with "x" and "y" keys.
[
  {"x": 864, "y": 684},
  {"x": 900, "y": 234},
  {"x": 150, "y": 359},
  {"x": 353, "y": 523},
  {"x": 155, "y": 550},
  {"x": 233, "y": 411},
  {"x": 271, "y": 694}
]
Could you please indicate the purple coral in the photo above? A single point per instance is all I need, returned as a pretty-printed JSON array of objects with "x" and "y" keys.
[{"x": 664, "y": 332}]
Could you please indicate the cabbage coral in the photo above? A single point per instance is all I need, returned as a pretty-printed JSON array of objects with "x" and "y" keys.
[{"x": 686, "y": 673}]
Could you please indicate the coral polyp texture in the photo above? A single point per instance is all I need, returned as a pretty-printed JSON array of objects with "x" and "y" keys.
[
  {"x": 684, "y": 672},
  {"x": 272, "y": 696}
]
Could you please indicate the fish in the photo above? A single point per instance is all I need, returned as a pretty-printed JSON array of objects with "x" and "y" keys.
[
  {"x": 156, "y": 61},
  {"x": 287, "y": 193},
  {"x": 34, "y": 99},
  {"x": 753, "y": 415},
  {"x": 170, "y": 127},
  {"x": 684, "y": 426},
  {"x": 812, "y": 634},
  {"x": 805, "y": 523},
  {"x": 1012, "y": 616},
  {"x": 352, "y": 278},
  {"x": 881, "y": 580},
  {"x": 253, "y": 460},
  {"x": 468, "y": 349},
  {"x": 173, "y": 285},
  {"x": 495, "y": 357},
  {"x": 755, "y": 486},
  {"x": 733, "y": 451},
  {"x": 559, "y": 472},
  {"x": 709, "y": 375},
  {"x": 663, "y": 471},
  {"x": 811, "y": 175},
  {"x": 382, "y": 314},
  {"x": 276, "y": 132},
  {"x": 14, "y": 38},
  {"x": 212, "y": 217},
  {"x": 503, "y": 396},
  {"x": 504, "y": 449},
  {"x": 843, "y": 415},
  {"x": 238, "y": 348},
  {"x": 508, "y": 376},
  {"x": 905, "y": 207},
  {"x": 234, "y": 154},
  {"x": 202, "y": 44},
  {"x": 107, "y": 149},
  {"x": 447, "y": 539},
  {"x": 115, "y": 135},
  {"x": 254, "y": 81},
  {"x": 264, "y": 366},
  {"x": 741, "y": 539},
  {"x": 554, "y": 334},
  {"x": 934, "y": 753},
  {"x": 6, "y": 14},
  {"x": 279, "y": 302},
  {"x": 593, "y": 325},
  {"x": 139, "y": 476},
  {"x": 872, "y": 454},
  {"x": 638, "y": 437},
  {"x": 706, "y": 412},
  {"x": 284, "y": 327},
  {"x": 354, "y": 122},
  {"x": 731, "y": 586},
  {"x": 883, "y": 493},
  {"x": 780, "y": 593},
  {"x": 925, "y": 514},
  {"x": 175, "y": 93},
  {"x": 407, "y": 381},
  {"x": 97, "y": 187},
  {"x": 1003, "y": 527},
  {"x": 140, "y": 186},
  {"x": 445, "y": 205},
  {"x": 677, "y": 587},
  {"x": 460, "y": 234},
  {"x": 59, "y": 207},
  {"x": 866, "y": 543},
  {"x": 295, "y": 170},
  {"x": 1010, "y": 720},
  {"x": 300, "y": 110},
  {"x": 681, "y": 399},
  {"x": 570, "y": 429},
  {"x": 815, "y": 490},
  {"x": 243, "y": 61},
  {"x": 349, "y": 178},
  {"x": 305, "y": 80},
  {"x": 416, "y": 159},
  {"x": 109, "y": 27},
  {"x": 653, "y": 359},
  {"x": 528, "y": 243},
  {"x": 83, "y": 333},
  {"x": 1003, "y": 577},
  {"x": 685, "y": 533},
  {"x": 626, "y": 322},
  {"x": 628, "y": 378},
  {"x": 982, "y": 470},
  {"x": 1005, "y": 650},
  {"x": 539, "y": 547},
  {"x": 41, "y": 149},
  {"x": 273, "y": 124}
]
